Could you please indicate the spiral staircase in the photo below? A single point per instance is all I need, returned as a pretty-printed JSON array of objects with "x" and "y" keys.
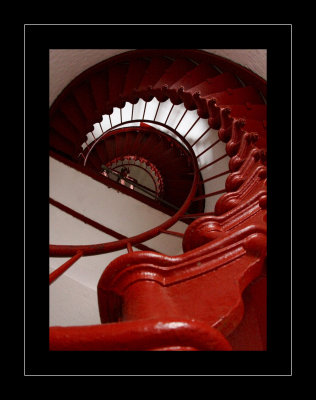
[{"x": 191, "y": 128}]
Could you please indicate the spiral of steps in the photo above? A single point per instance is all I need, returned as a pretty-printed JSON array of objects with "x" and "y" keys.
[
  {"x": 169, "y": 165},
  {"x": 137, "y": 167},
  {"x": 195, "y": 124}
]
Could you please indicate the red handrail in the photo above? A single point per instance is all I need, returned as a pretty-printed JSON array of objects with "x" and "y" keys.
[
  {"x": 102, "y": 248},
  {"x": 231, "y": 204},
  {"x": 155, "y": 334},
  {"x": 63, "y": 268}
]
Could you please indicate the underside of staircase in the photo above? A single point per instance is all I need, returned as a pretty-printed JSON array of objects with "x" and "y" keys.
[{"x": 190, "y": 127}]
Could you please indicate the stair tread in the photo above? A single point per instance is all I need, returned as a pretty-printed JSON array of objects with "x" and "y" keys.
[
  {"x": 135, "y": 74},
  {"x": 99, "y": 86},
  {"x": 251, "y": 111},
  {"x": 94, "y": 161},
  {"x": 119, "y": 144},
  {"x": 216, "y": 84},
  {"x": 64, "y": 127},
  {"x": 255, "y": 125},
  {"x": 194, "y": 77},
  {"x": 74, "y": 114},
  {"x": 84, "y": 98},
  {"x": 117, "y": 75},
  {"x": 110, "y": 148},
  {"x": 156, "y": 68},
  {"x": 237, "y": 96},
  {"x": 100, "y": 148},
  {"x": 177, "y": 69},
  {"x": 61, "y": 143}
]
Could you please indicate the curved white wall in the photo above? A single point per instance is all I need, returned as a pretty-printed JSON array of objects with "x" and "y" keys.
[
  {"x": 255, "y": 60},
  {"x": 73, "y": 296},
  {"x": 65, "y": 65}
]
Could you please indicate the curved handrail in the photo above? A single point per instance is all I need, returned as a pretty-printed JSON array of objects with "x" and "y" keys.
[
  {"x": 144, "y": 189},
  {"x": 128, "y": 164},
  {"x": 242, "y": 184},
  {"x": 156, "y": 334},
  {"x": 102, "y": 248},
  {"x": 109, "y": 132}
]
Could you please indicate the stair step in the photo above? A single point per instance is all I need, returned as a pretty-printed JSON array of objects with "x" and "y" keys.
[
  {"x": 101, "y": 151},
  {"x": 259, "y": 127},
  {"x": 216, "y": 84},
  {"x": 238, "y": 130},
  {"x": 156, "y": 146},
  {"x": 138, "y": 138},
  {"x": 155, "y": 70},
  {"x": 200, "y": 93},
  {"x": 74, "y": 114},
  {"x": 147, "y": 145},
  {"x": 84, "y": 98},
  {"x": 178, "y": 187},
  {"x": 110, "y": 148},
  {"x": 157, "y": 150},
  {"x": 179, "y": 181},
  {"x": 176, "y": 198},
  {"x": 94, "y": 162},
  {"x": 192, "y": 78},
  {"x": 119, "y": 145},
  {"x": 251, "y": 111},
  {"x": 61, "y": 143},
  {"x": 254, "y": 136},
  {"x": 117, "y": 76},
  {"x": 236, "y": 111},
  {"x": 63, "y": 126},
  {"x": 176, "y": 71},
  {"x": 135, "y": 74},
  {"x": 100, "y": 89},
  {"x": 129, "y": 140},
  {"x": 240, "y": 96},
  {"x": 179, "y": 165}
]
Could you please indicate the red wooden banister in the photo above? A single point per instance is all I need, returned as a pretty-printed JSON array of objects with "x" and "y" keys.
[
  {"x": 193, "y": 301},
  {"x": 151, "y": 335},
  {"x": 101, "y": 248},
  {"x": 95, "y": 224}
]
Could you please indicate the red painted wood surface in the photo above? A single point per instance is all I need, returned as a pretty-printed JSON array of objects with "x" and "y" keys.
[
  {"x": 204, "y": 283},
  {"x": 213, "y": 296},
  {"x": 143, "y": 335}
]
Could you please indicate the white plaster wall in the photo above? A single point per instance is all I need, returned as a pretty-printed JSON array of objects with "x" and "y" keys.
[
  {"x": 110, "y": 208},
  {"x": 71, "y": 303},
  {"x": 65, "y": 229},
  {"x": 65, "y": 65},
  {"x": 73, "y": 296},
  {"x": 253, "y": 59}
]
